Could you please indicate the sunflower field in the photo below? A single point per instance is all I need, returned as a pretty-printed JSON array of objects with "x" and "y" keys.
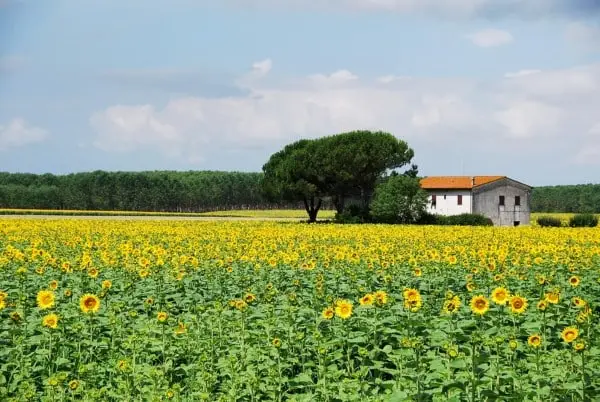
[{"x": 264, "y": 311}]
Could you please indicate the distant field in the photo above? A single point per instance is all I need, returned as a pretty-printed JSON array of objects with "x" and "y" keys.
[
  {"x": 256, "y": 214},
  {"x": 270, "y": 214}
]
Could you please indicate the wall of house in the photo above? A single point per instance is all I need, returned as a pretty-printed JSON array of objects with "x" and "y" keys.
[
  {"x": 447, "y": 202},
  {"x": 487, "y": 202}
]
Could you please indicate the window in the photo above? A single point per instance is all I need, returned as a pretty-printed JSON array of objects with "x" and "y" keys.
[
  {"x": 517, "y": 200},
  {"x": 459, "y": 199},
  {"x": 433, "y": 200},
  {"x": 501, "y": 202}
]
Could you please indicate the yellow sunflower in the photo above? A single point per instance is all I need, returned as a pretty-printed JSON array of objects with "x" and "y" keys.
[
  {"x": 162, "y": 316},
  {"x": 569, "y": 334},
  {"x": 518, "y": 304},
  {"x": 89, "y": 303},
  {"x": 249, "y": 298},
  {"x": 534, "y": 340},
  {"x": 500, "y": 295},
  {"x": 542, "y": 305},
  {"x": 106, "y": 284},
  {"x": 367, "y": 300},
  {"x": 45, "y": 299},
  {"x": 452, "y": 306},
  {"x": 574, "y": 281},
  {"x": 552, "y": 297},
  {"x": 579, "y": 346},
  {"x": 479, "y": 304},
  {"x": 328, "y": 313},
  {"x": 343, "y": 309},
  {"x": 50, "y": 321},
  {"x": 381, "y": 296}
]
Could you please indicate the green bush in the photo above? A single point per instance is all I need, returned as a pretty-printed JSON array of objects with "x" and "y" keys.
[
  {"x": 583, "y": 221},
  {"x": 353, "y": 214},
  {"x": 549, "y": 221},
  {"x": 398, "y": 199},
  {"x": 465, "y": 220}
]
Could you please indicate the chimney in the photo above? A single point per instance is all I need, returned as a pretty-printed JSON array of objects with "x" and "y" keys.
[{"x": 473, "y": 181}]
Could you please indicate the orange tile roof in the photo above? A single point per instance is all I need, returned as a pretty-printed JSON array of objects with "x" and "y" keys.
[{"x": 456, "y": 182}]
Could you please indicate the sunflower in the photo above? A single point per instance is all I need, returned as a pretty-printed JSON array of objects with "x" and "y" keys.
[
  {"x": 518, "y": 304},
  {"x": 93, "y": 272},
  {"x": 162, "y": 316},
  {"x": 328, "y": 313},
  {"x": 451, "y": 306},
  {"x": 417, "y": 272},
  {"x": 343, "y": 309},
  {"x": 542, "y": 305},
  {"x": 15, "y": 316},
  {"x": 2, "y": 304},
  {"x": 381, "y": 297},
  {"x": 513, "y": 344},
  {"x": 367, "y": 300},
  {"x": 534, "y": 340},
  {"x": 552, "y": 297},
  {"x": 53, "y": 285},
  {"x": 579, "y": 346},
  {"x": 181, "y": 329},
  {"x": 45, "y": 299},
  {"x": 68, "y": 293},
  {"x": 106, "y": 284},
  {"x": 240, "y": 304},
  {"x": 89, "y": 303},
  {"x": 574, "y": 281},
  {"x": 579, "y": 302},
  {"x": 412, "y": 299},
  {"x": 480, "y": 305},
  {"x": 500, "y": 295},
  {"x": 73, "y": 385},
  {"x": 569, "y": 334},
  {"x": 470, "y": 286},
  {"x": 50, "y": 321},
  {"x": 249, "y": 298},
  {"x": 276, "y": 342}
]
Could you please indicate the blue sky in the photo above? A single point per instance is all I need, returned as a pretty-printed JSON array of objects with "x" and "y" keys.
[{"x": 474, "y": 86}]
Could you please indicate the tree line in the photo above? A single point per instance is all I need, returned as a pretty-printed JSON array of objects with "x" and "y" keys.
[
  {"x": 158, "y": 191},
  {"x": 197, "y": 191}
]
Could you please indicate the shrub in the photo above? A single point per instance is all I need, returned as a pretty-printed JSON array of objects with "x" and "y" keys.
[
  {"x": 353, "y": 214},
  {"x": 465, "y": 220},
  {"x": 399, "y": 199},
  {"x": 583, "y": 221},
  {"x": 549, "y": 221}
]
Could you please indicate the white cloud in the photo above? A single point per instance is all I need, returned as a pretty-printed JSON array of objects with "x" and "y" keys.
[
  {"x": 550, "y": 107},
  {"x": 583, "y": 35},
  {"x": 18, "y": 133},
  {"x": 490, "y": 37},
  {"x": 521, "y": 73}
]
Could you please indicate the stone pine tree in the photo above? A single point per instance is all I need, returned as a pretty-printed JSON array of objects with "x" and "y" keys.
[{"x": 334, "y": 167}]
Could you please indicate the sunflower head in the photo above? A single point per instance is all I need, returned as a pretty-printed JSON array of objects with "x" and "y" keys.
[
  {"x": 534, "y": 340},
  {"x": 574, "y": 281},
  {"x": 518, "y": 304},
  {"x": 479, "y": 304},
  {"x": 89, "y": 303},
  {"x": 367, "y": 300},
  {"x": 569, "y": 334},
  {"x": 45, "y": 299},
  {"x": 162, "y": 316},
  {"x": 500, "y": 295},
  {"x": 50, "y": 321},
  {"x": 328, "y": 313},
  {"x": 343, "y": 309}
]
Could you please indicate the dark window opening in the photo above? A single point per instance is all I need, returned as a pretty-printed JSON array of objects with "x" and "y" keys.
[
  {"x": 501, "y": 202},
  {"x": 433, "y": 200},
  {"x": 517, "y": 223},
  {"x": 459, "y": 199},
  {"x": 517, "y": 200},
  {"x": 444, "y": 196}
]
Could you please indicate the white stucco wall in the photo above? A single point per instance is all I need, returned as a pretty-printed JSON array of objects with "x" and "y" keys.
[{"x": 449, "y": 205}]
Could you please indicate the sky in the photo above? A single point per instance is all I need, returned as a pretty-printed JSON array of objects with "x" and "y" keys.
[{"x": 475, "y": 87}]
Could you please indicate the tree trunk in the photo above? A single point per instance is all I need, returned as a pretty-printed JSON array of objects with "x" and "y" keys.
[
  {"x": 339, "y": 203},
  {"x": 311, "y": 209}
]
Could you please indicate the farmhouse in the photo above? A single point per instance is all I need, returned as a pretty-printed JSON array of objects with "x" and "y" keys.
[{"x": 505, "y": 201}]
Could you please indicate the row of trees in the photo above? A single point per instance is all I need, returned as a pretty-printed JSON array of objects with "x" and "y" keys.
[
  {"x": 580, "y": 198},
  {"x": 164, "y": 191}
]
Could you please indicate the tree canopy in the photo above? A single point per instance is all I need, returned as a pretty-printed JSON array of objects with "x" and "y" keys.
[{"x": 336, "y": 167}]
